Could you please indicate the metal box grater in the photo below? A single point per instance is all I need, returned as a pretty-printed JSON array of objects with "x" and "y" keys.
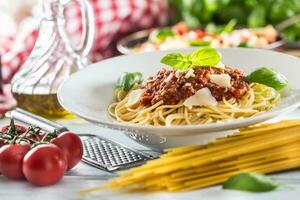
[
  {"x": 98, "y": 152},
  {"x": 108, "y": 155}
]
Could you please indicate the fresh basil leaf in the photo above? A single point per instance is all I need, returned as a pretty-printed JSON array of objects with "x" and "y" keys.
[
  {"x": 200, "y": 43},
  {"x": 248, "y": 13},
  {"x": 211, "y": 5},
  {"x": 159, "y": 35},
  {"x": 216, "y": 29},
  {"x": 257, "y": 17},
  {"x": 246, "y": 44},
  {"x": 205, "y": 56},
  {"x": 127, "y": 80},
  {"x": 213, "y": 28},
  {"x": 230, "y": 26},
  {"x": 269, "y": 77},
  {"x": 201, "y": 57},
  {"x": 191, "y": 20},
  {"x": 252, "y": 182},
  {"x": 177, "y": 61}
]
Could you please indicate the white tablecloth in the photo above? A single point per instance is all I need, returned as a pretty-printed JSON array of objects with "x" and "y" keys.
[{"x": 84, "y": 176}]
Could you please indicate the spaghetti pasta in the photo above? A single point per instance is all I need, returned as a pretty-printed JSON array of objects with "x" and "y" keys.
[
  {"x": 259, "y": 148},
  {"x": 199, "y": 89},
  {"x": 257, "y": 99}
]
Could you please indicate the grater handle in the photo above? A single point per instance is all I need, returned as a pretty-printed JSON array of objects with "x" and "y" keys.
[{"x": 32, "y": 119}]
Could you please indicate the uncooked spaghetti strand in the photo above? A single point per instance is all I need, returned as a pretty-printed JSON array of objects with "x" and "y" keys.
[
  {"x": 261, "y": 151},
  {"x": 247, "y": 159},
  {"x": 212, "y": 152}
]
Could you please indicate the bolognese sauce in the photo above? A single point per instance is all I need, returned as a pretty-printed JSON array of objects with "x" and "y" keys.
[{"x": 172, "y": 86}]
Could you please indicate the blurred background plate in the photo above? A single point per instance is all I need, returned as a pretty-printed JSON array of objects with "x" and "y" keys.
[{"x": 127, "y": 44}]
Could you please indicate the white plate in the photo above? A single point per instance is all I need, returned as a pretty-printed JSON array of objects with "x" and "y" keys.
[{"x": 88, "y": 92}]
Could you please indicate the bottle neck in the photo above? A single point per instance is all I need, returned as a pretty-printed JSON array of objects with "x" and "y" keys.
[
  {"x": 53, "y": 10},
  {"x": 54, "y": 19}
]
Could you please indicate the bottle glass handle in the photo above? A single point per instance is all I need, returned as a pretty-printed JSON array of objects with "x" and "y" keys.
[{"x": 88, "y": 28}]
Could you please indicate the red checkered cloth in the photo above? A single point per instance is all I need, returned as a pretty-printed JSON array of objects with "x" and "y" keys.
[{"x": 113, "y": 20}]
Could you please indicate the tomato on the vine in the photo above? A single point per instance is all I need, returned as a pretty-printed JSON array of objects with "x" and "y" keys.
[
  {"x": 19, "y": 128},
  {"x": 45, "y": 164},
  {"x": 42, "y": 158},
  {"x": 71, "y": 146},
  {"x": 11, "y": 159}
]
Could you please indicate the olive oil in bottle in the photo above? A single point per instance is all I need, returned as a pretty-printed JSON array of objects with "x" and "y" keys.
[
  {"x": 52, "y": 60},
  {"x": 46, "y": 105}
]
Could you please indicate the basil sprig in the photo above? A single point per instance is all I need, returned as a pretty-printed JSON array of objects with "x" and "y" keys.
[
  {"x": 230, "y": 26},
  {"x": 269, "y": 77},
  {"x": 246, "y": 44},
  {"x": 252, "y": 182},
  {"x": 159, "y": 35},
  {"x": 197, "y": 43},
  {"x": 218, "y": 29},
  {"x": 202, "y": 57},
  {"x": 127, "y": 80},
  {"x": 177, "y": 60}
]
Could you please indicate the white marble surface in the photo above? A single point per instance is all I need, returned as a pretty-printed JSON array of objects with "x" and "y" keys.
[{"x": 84, "y": 176}]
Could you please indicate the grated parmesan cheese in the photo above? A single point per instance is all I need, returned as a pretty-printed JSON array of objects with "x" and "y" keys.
[
  {"x": 190, "y": 73},
  {"x": 222, "y": 80},
  {"x": 202, "y": 97}
]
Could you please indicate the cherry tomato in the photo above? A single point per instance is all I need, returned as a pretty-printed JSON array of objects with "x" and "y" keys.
[
  {"x": 181, "y": 28},
  {"x": 11, "y": 158},
  {"x": 2, "y": 142},
  {"x": 44, "y": 165},
  {"x": 71, "y": 146},
  {"x": 20, "y": 129},
  {"x": 200, "y": 33}
]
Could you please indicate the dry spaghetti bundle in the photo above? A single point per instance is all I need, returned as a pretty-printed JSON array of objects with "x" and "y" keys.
[{"x": 262, "y": 148}]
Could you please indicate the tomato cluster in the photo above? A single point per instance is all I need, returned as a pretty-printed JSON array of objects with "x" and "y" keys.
[{"x": 39, "y": 157}]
